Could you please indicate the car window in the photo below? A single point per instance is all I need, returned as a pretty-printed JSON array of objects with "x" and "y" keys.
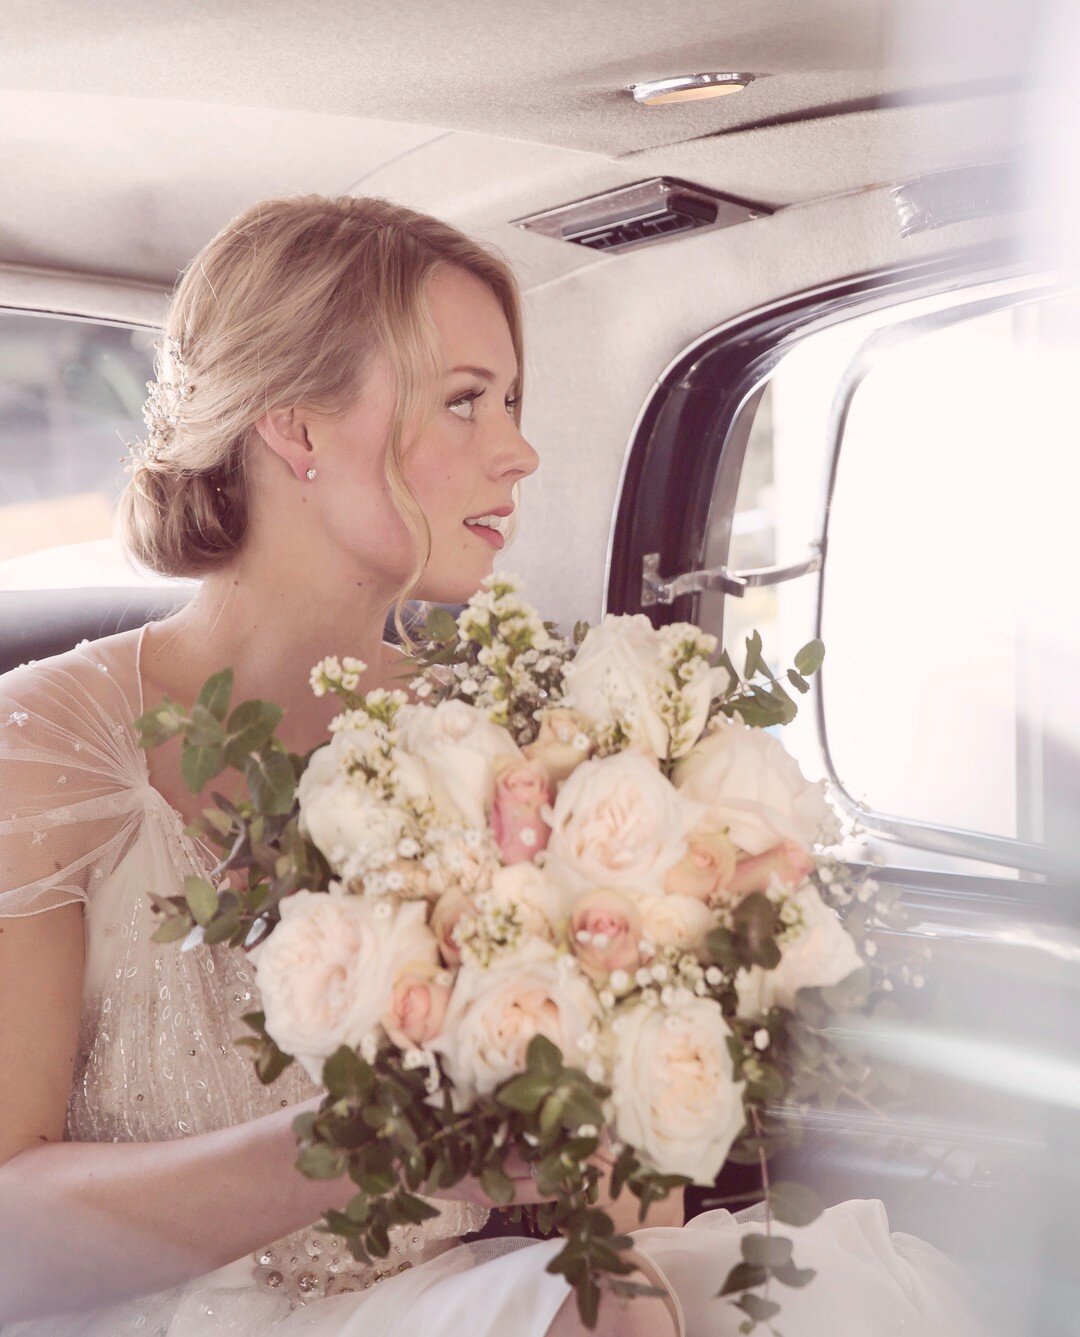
[
  {"x": 922, "y": 450},
  {"x": 71, "y": 395},
  {"x": 951, "y": 573}
]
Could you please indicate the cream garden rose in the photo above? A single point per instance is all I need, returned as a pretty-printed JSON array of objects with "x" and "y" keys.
[
  {"x": 819, "y": 953},
  {"x": 673, "y": 1088},
  {"x": 326, "y": 972},
  {"x": 754, "y": 788},
  {"x": 617, "y": 822},
  {"x": 562, "y": 743},
  {"x": 495, "y": 1012},
  {"x": 457, "y": 746},
  {"x": 416, "y": 1010},
  {"x": 540, "y": 905},
  {"x": 675, "y": 921},
  {"x": 347, "y": 821},
  {"x": 619, "y": 676}
]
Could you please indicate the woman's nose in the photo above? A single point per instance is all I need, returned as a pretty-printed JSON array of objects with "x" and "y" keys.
[{"x": 517, "y": 458}]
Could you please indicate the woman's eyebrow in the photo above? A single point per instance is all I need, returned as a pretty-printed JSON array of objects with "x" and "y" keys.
[{"x": 483, "y": 372}]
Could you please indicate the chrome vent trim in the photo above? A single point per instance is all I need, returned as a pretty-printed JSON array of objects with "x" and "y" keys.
[
  {"x": 641, "y": 214},
  {"x": 959, "y": 195}
]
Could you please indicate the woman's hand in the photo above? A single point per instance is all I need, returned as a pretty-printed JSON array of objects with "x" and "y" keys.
[{"x": 526, "y": 1194}]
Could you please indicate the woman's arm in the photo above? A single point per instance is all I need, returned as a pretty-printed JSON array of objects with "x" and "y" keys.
[
  {"x": 83, "y": 1224},
  {"x": 86, "y": 1224}
]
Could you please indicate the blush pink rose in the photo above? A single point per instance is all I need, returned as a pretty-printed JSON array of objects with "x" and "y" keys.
[
  {"x": 562, "y": 744},
  {"x": 706, "y": 869},
  {"x": 605, "y": 929},
  {"x": 417, "y": 1008},
  {"x": 787, "y": 861},
  {"x": 449, "y": 908},
  {"x": 522, "y": 789}
]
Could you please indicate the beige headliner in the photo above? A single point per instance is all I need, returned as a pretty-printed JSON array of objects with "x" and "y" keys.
[{"x": 132, "y": 132}]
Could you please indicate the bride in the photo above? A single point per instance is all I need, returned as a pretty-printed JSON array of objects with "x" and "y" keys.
[{"x": 352, "y": 382}]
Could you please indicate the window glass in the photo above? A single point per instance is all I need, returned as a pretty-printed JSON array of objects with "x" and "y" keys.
[
  {"x": 953, "y": 652},
  {"x": 950, "y": 692},
  {"x": 767, "y": 511},
  {"x": 71, "y": 396}
]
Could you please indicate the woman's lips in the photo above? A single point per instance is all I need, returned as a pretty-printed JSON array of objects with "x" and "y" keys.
[{"x": 491, "y": 536}]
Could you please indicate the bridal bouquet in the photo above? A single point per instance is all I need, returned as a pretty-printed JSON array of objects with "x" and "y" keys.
[{"x": 564, "y": 901}]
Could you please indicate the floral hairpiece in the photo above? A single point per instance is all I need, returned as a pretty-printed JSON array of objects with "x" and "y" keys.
[{"x": 164, "y": 403}]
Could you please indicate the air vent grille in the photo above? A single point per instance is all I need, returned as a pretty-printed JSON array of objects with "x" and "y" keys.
[{"x": 640, "y": 214}]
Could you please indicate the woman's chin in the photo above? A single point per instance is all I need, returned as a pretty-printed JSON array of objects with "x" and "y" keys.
[{"x": 456, "y": 588}]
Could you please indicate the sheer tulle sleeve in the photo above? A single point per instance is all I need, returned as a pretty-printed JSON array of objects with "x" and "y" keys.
[{"x": 72, "y": 781}]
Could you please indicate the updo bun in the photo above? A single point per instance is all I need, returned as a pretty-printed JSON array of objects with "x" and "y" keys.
[{"x": 287, "y": 305}]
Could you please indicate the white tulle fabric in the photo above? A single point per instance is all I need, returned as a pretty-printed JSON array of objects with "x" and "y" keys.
[{"x": 79, "y": 821}]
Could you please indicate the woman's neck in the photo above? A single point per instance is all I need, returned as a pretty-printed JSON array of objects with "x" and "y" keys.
[{"x": 270, "y": 637}]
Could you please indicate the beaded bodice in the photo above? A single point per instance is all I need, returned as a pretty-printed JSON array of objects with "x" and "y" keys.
[{"x": 156, "y": 1057}]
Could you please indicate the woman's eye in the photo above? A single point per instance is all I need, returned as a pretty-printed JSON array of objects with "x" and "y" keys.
[
  {"x": 465, "y": 402},
  {"x": 463, "y": 405}
]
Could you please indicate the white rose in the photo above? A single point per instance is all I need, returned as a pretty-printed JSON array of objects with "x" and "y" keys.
[
  {"x": 619, "y": 676},
  {"x": 326, "y": 971},
  {"x": 819, "y": 954},
  {"x": 457, "y": 747},
  {"x": 351, "y": 826},
  {"x": 540, "y": 905},
  {"x": 617, "y": 669},
  {"x": 675, "y": 921},
  {"x": 495, "y": 1012},
  {"x": 618, "y": 823},
  {"x": 341, "y": 814},
  {"x": 673, "y": 1088},
  {"x": 753, "y": 787}
]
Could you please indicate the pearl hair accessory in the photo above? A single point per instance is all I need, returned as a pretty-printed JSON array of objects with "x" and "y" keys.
[
  {"x": 164, "y": 403},
  {"x": 310, "y": 475}
]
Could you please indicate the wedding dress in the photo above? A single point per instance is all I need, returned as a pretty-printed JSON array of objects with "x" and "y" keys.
[{"x": 80, "y": 821}]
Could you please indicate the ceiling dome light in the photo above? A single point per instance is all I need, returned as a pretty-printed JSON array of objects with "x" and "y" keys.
[{"x": 689, "y": 88}]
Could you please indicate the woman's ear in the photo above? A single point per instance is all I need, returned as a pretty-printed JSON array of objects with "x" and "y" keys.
[{"x": 285, "y": 432}]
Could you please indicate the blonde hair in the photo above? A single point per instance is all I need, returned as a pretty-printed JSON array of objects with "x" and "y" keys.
[{"x": 287, "y": 305}]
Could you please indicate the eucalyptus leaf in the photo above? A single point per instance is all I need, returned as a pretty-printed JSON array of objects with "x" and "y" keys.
[
  {"x": 321, "y": 1162},
  {"x": 161, "y": 723},
  {"x": 346, "y": 1074},
  {"x": 440, "y": 625},
  {"x": 544, "y": 1058},
  {"x": 766, "y": 1250},
  {"x": 271, "y": 1063},
  {"x": 743, "y": 1277},
  {"x": 173, "y": 929},
  {"x": 794, "y": 1204},
  {"x": 497, "y": 1185},
  {"x": 551, "y": 1112},
  {"x": 809, "y": 659},
  {"x": 271, "y": 782},
  {"x": 223, "y": 927},
  {"x": 199, "y": 765},
  {"x": 205, "y": 729},
  {"x": 250, "y": 727},
  {"x": 794, "y": 1276},
  {"x": 757, "y": 1307},
  {"x": 523, "y": 1093},
  {"x": 202, "y": 899},
  {"x": 588, "y": 1301},
  {"x": 215, "y": 694}
]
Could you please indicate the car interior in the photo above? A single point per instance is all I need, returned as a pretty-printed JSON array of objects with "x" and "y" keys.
[{"x": 799, "y": 316}]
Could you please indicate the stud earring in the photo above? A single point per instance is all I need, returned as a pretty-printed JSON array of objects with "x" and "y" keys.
[{"x": 310, "y": 475}]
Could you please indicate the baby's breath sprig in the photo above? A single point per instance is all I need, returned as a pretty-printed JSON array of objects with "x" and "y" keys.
[
  {"x": 489, "y": 931},
  {"x": 497, "y": 655},
  {"x": 339, "y": 676}
]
